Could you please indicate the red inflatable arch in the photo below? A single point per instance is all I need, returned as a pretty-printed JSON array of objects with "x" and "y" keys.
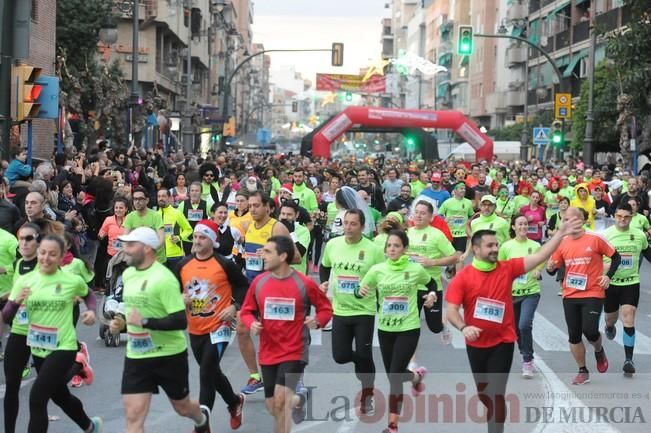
[{"x": 396, "y": 118}]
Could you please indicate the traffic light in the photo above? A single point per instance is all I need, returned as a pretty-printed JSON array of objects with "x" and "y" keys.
[
  {"x": 558, "y": 135},
  {"x": 337, "y": 54},
  {"x": 294, "y": 106},
  {"x": 27, "y": 91},
  {"x": 349, "y": 96},
  {"x": 464, "y": 45}
]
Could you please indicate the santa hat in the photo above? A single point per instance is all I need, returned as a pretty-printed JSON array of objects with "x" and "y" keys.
[
  {"x": 209, "y": 229},
  {"x": 287, "y": 187}
]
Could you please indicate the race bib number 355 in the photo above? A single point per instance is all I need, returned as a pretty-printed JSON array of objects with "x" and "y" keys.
[{"x": 140, "y": 342}]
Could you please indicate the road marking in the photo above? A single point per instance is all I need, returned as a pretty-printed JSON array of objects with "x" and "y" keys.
[
  {"x": 548, "y": 336},
  {"x": 642, "y": 342},
  {"x": 554, "y": 386},
  {"x": 25, "y": 382}
]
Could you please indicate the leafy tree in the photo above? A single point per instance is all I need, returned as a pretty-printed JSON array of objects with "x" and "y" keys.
[
  {"x": 630, "y": 52},
  {"x": 606, "y": 89},
  {"x": 95, "y": 91}
]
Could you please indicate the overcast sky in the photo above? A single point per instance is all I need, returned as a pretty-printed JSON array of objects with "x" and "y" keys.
[{"x": 293, "y": 24}]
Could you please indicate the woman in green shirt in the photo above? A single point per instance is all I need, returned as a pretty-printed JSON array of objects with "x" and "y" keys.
[
  {"x": 525, "y": 289},
  {"x": 397, "y": 282},
  {"x": 48, "y": 294}
]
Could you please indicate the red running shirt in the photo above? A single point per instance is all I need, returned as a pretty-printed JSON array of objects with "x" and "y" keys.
[
  {"x": 583, "y": 258},
  {"x": 487, "y": 301},
  {"x": 280, "y": 307}
]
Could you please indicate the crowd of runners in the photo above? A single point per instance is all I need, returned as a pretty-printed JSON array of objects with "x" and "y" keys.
[{"x": 230, "y": 247}]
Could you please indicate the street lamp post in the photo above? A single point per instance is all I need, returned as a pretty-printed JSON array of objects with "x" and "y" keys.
[
  {"x": 588, "y": 145},
  {"x": 135, "y": 95}
]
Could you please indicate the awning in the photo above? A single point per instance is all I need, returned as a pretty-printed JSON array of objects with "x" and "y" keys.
[
  {"x": 517, "y": 31},
  {"x": 559, "y": 8},
  {"x": 442, "y": 89},
  {"x": 534, "y": 31},
  {"x": 575, "y": 60},
  {"x": 578, "y": 2}
]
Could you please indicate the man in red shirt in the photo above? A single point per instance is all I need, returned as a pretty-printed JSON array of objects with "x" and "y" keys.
[
  {"x": 584, "y": 290},
  {"x": 484, "y": 291},
  {"x": 276, "y": 306}
]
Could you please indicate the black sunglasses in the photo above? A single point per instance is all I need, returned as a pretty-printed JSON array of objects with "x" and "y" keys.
[{"x": 27, "y": 238}]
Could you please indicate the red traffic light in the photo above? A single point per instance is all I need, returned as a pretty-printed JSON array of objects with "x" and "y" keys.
[{"x": 34, "y": 93}]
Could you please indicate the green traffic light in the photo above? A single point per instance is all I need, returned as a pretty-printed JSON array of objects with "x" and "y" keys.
[
  {"x": 349, "y": 96},
  {"x": 410, "y": 141}
]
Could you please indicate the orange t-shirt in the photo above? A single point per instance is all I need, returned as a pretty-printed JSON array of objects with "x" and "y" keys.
[
  {"x": 210, "y": 292},
  {"x": 583, "y": 258}
]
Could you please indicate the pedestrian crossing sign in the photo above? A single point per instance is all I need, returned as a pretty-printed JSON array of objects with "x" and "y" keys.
[{"x": 541, "y": 136}]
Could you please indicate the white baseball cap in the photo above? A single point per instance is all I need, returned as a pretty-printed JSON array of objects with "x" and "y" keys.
[{"x": 144, "y": 235}]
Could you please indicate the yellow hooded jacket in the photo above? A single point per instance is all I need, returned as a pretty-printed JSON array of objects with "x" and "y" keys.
[{"x": 589, "y": 204}]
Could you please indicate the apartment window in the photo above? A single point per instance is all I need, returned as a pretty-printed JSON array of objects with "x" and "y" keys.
[
  {"x": 34, "y": 11},
  {"x": 481, "y": 90}
]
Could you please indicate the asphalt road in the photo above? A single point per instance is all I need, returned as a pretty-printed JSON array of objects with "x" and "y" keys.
[{"x": 547, "y": 403}]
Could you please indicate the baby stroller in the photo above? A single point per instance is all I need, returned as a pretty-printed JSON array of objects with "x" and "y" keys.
[{"x": 113, "y": 305}]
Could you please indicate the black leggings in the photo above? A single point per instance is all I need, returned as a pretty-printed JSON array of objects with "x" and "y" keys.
[
  {"x": 316, "y": 244},
  {"x": 51, "y": 384},
  {"x": 211, "y": 377},
  {"x": 490, "y": 369},
  {"x": 582, "y": 318},
  {"x": 16, "y": 358},
  {"x": 345, "y": 329},
  {"x": 397, "y": 349},
  {"x": 434, "y": 315}
]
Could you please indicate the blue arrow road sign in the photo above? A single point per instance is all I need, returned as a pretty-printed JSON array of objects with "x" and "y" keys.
[{"x": 541, "y": 136}]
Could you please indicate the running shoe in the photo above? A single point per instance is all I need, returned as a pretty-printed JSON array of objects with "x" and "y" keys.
[
  {"x": 527, "y": 369},
  {"x": 77, "y": 381},
  {"x": 610, "y": 332},
  {"x": 86, "y": 371},
  {"x": 366, "y": 406},
  {"x": 582, "y": 378},
  {"x": 252, "y": 386},
  {"x": 629, "y": 368},
  {"x": 299, "y": 412},
  {"x": 602, "y": 361},
  {"x": 419, "y": 387},
  {"x": 98, "y": 424},
  {"x": 560, "y": 292},
  {"x": 205, "y": 428},
  {"x": 237, "y": 413},
  {"x": 391, "y": 428}
]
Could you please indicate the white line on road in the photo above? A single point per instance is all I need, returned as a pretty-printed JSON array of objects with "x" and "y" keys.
[
  {"x": 642, "y": 342},
  {"x": 548, "y": 336},
  {"x": 554, "y": 386}
]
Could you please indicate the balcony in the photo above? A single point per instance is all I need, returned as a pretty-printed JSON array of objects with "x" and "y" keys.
[
  {"x": 514, "y": 98},
  {"x": 517, "y": 11},
  {"x": 581, "y": 32},
  {"x": 534, "y": 5},
  {"x": 608, "y": 21},
  {"x": 495, "y": 103},
  {"x": 516, "y": 55},
  {"x": 563, "y": 39}
]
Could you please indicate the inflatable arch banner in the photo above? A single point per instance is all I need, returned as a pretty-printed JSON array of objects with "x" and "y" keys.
[{"x": 395, "y": 118}]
